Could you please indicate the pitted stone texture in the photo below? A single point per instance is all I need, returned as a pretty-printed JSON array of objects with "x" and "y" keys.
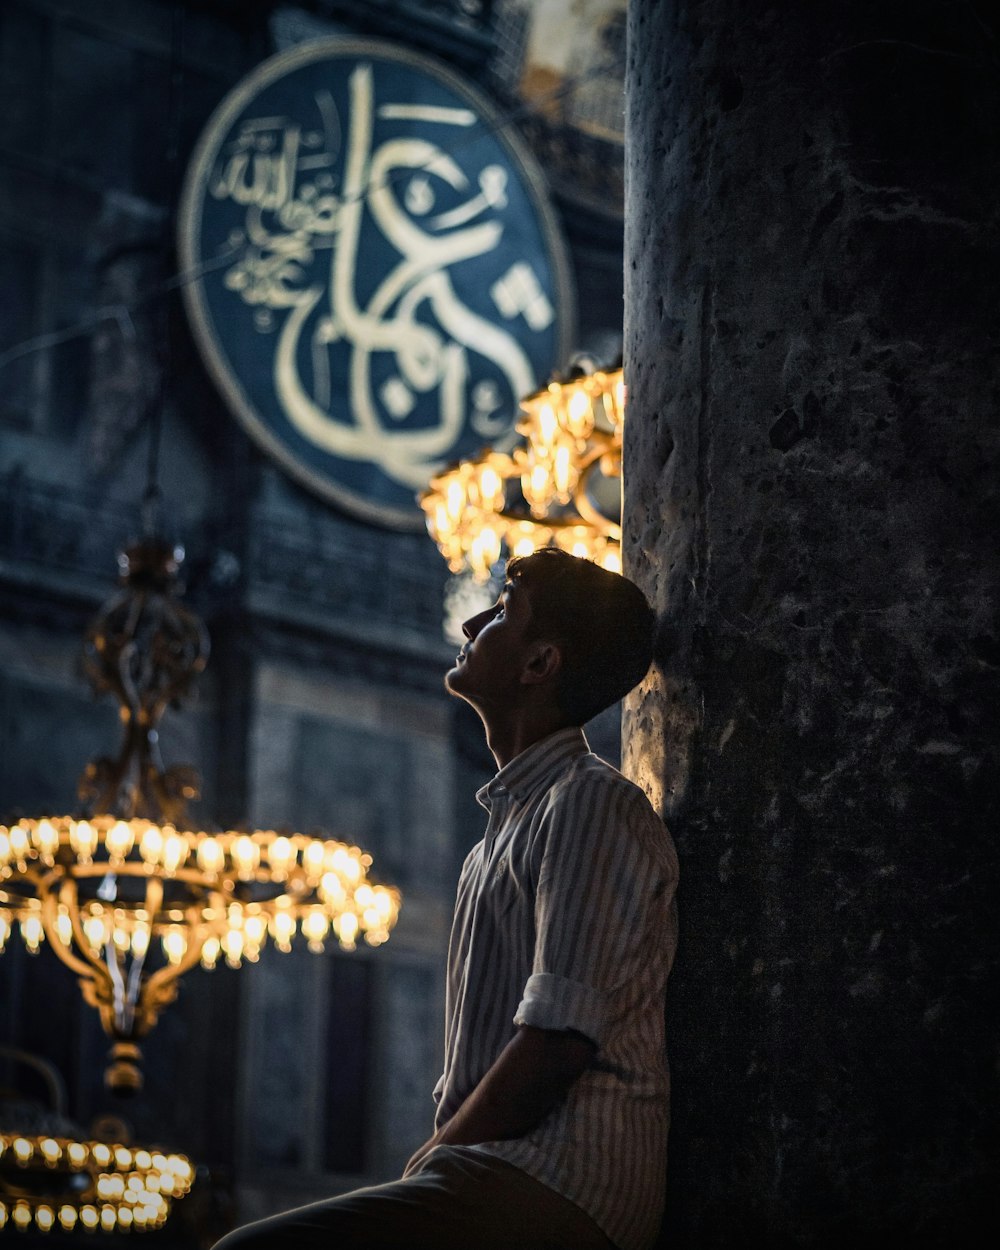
[{"x": 811, "y": 502}]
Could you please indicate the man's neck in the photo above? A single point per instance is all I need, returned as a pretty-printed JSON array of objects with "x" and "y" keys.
[{"x": 508, "y": 739}]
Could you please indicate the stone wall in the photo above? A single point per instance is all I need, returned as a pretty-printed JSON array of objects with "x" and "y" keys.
[{"x": 812, "y": 503}]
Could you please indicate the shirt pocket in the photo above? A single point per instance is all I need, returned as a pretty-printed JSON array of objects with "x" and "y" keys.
[{"x": 503, "y": 887}]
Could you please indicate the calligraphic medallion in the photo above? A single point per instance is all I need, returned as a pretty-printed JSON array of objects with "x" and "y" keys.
[{"x": 375, "y": 274}]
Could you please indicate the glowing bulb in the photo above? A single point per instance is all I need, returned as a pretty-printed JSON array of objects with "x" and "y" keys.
[
  {"x": 384, "y": 902},
  {"x": 537, "y": 487},
  {"x": 331, "y": 889},
  {"x": 563, "y": 472},
  {"x": 151, "y": 845},
  {"x": 83, "y": 840},
  {"x": 174, "y": 945},
  {"x": 101, "y": 1154},
  {"x": 22, "y": 1149},
  {"x": 21, "y": 1215},
  {"x": 347, "y": 929},
  {"x": 280, "y": 855},
  {"x": 5, "y": 851},
  {"x": 32, "y": 932},
  {"x": 313, "y": 857},
  {"x": 181, "y": 1168},
  {"x": 283, "y": 928},
  {"x": 490, "y": 487},
  {"x": 50, "y": 1150},
  {"x": 315, "y": 926},
  {"x": 45, "y": 1217},
  {"x": 175, "y": 851},
  {"x": 46, "y": 839},
  {"x": 67, "y": 1216},
  {"x": 140, "y": 940},
  {"x": 76, "y": 1152},
  {"x": 579, "y": 414},
  {"x": 64, "y": 926},
  {"x": 246, "y": 856},
  {"x": 232, "y": 944},
  {"x": 611, "y": 559},
  {"x": 209, "y": 955},
  {"x": 211, "y": 856},
  {"x": 94, "y": 931},
  {"x": 254, "y": 933},
  {"x": 547, "y": 424},
  {"x": 440, "y": 524},
  {"x": 5, "y": 919},
  {"x": 108, "y": 1219},
  {"x": 455, "y": 499},
  {"x": 618, "y": 391},
  {"x": 20, "y": 843},
  {"x": 119, "y": 840}
]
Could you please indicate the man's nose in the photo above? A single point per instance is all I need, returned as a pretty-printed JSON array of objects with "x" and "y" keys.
[{"x": 474, "y": 624}]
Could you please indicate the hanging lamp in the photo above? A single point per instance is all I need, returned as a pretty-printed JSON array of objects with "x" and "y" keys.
[
  {"x": 546, "y": 492},
  {"x": 125, "y": 892}
]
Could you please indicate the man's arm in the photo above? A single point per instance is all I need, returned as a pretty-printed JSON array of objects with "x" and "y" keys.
[{"x": 531, "y": 1075}]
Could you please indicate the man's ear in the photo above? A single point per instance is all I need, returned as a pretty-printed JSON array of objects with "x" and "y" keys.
[{"x": 542, "y": 664}]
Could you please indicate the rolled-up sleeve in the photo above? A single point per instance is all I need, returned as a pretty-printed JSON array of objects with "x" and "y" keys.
[
  {"x": 595, "y": 882},
  {"x": 552, "y": 1002}
]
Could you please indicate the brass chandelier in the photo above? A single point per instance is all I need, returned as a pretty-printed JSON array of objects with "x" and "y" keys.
[
  {"x": 546, "y": 491},
  {"x": 126, "y": 894},
  {"x": 58, "y": 1182}
]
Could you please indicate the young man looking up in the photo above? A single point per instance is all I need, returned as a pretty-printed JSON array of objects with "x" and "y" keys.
[{"x": 552, "y": 1113}]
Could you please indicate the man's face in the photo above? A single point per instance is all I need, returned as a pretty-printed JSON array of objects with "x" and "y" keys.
[{"x": 488, "y": 669}]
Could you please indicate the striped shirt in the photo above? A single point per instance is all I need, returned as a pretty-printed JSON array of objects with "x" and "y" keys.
[{"x": 565, "y": 919}]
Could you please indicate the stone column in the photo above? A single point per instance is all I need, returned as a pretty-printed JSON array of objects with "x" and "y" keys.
[{"x": 811, "y": 501}]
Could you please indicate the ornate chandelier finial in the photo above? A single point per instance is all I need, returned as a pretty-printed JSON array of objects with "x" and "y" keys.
[{"x": 146, "y": 648}]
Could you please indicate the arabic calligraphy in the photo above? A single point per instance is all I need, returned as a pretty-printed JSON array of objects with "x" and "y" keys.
[{"x": 379, "y": 254}]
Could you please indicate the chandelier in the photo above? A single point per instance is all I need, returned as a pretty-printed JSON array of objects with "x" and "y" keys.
[
  {"x": 52, "y": 1176},
  {"x": 61, "y": 1182},
  {"x": 548, "y": 491},
  {"x": 126, "y": 894}
]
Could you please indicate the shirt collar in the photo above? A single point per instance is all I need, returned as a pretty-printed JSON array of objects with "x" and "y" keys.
[{"x": 536, "y": 766}]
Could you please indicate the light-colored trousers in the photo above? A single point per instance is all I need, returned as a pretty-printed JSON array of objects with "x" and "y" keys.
[{"x": 460, "y": 1199}]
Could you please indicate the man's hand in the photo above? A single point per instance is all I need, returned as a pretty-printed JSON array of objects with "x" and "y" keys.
[
  {"x": 532, "y": 1074},
  {"x": 421, "y": 1153}
]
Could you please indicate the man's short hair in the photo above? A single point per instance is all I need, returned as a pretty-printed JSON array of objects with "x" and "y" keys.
[{"x": 600, "y": 621}]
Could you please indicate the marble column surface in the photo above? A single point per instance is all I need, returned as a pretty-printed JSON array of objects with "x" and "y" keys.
[{"x": 811, "y": 502}]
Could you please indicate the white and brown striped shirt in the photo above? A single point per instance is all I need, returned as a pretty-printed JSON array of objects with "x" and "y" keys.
[{"x": 565, "y": 919}]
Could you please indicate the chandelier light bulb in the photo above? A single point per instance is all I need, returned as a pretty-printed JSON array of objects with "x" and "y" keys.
[{"x": 46, "y": 840}]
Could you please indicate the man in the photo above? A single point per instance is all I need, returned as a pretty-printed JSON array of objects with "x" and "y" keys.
[{"x": 551, "y": 1123}]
